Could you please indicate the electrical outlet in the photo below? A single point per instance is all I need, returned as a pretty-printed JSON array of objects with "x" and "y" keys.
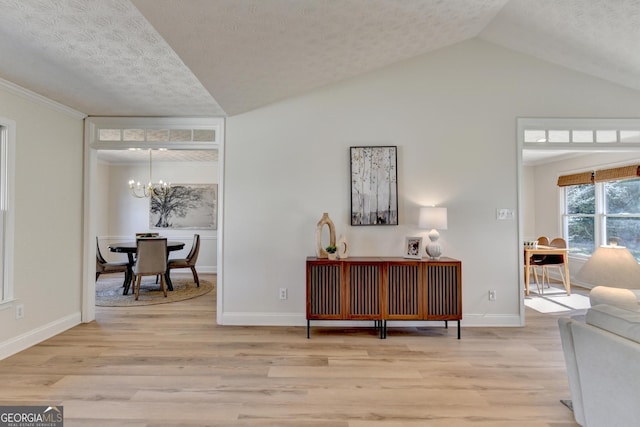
[
  {"x": 283, "y": 293},
  {"x": 492, "y": 295},
  {"x": 19, "y": 311}
]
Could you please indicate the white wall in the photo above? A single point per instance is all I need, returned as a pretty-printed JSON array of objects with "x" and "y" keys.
[
  {"x": 48, "y": 221},
  {"x": 125, "y": 215},
  {"x": 452, "y": 114}
]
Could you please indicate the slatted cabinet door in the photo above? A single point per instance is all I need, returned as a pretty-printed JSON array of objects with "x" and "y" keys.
[
  {"x": 364, "y": 289},
  {"x": 324, "y": 293},
  {"x": 381, "y": 289},
  {"x": 404, "y": 291},
  {"x": 443, "y": 293}
]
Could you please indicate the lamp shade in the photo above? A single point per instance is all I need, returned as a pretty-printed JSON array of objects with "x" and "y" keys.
[
  {"x": 612, "y": 266},
  {"x": 432, "y": 217}
]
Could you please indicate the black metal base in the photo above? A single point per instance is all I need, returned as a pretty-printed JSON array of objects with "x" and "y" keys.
[{"x": 382, "y": 326}]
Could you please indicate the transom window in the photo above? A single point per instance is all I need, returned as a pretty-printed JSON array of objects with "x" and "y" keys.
[{"x": 156, "y": 135}]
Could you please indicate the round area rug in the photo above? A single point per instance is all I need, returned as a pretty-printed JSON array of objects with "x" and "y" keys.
[{"x": 109, "y": 292}]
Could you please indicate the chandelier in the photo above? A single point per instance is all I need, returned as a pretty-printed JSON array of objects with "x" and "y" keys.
[{"x": 141, "y": 191}]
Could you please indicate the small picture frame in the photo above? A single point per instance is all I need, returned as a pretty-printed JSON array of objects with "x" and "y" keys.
[{"x": 413, "y": 247}]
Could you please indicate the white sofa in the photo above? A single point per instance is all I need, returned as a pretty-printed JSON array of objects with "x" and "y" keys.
[
  {"x": 602, "y": 354},
  {"x": 629, "y": 299}
]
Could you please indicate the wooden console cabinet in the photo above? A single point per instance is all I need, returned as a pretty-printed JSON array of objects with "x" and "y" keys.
[{"x": 381, "y": 289}]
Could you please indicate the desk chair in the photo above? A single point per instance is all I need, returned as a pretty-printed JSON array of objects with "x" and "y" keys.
[{"x": 151, "y": 261}]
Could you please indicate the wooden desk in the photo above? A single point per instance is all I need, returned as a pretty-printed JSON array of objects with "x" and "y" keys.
[{"x": 546, "y": 250}]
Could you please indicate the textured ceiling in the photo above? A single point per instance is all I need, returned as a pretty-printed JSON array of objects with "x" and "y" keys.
[
  {"x": 225, "y": 57},
  {"x": 253, "y": 52},
  {"x": 597, "y": 37},
  {"x": 100, "y": 57}
]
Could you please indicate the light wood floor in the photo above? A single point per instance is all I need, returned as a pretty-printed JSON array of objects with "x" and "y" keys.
[{"x": 170, "y": 365}]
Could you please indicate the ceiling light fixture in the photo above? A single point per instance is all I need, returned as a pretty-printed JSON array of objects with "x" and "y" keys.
[{"x": 142, "y": 191}]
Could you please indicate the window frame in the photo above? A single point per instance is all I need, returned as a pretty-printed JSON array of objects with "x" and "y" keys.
[
  {"x": 7, "y": 206},
  {"x": 600, "y": 215},
  {"x": 565, "y": 216}
]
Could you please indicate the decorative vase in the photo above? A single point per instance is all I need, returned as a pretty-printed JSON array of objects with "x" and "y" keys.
[
  {"x": 343, "y": 247},
  {"x": 325, "y": 220}
]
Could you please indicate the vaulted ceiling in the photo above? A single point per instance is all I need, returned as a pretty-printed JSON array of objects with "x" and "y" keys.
[{"x": 226, "y": 57}]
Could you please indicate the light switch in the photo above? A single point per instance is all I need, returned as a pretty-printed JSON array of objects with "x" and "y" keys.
[{"x": 504, "y": 214}]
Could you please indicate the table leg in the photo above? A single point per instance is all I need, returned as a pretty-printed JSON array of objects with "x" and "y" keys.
[
  {"x": 129, "y": 274},
  {"x": 527, "y": 266},
  {"x": 167, "y": 279},
  {"x": 567, "y": 279}
]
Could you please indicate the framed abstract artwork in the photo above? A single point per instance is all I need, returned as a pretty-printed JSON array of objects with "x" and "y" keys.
[
  {"x": 374, "y": 185},
  {"x": 185, "y": 206}
]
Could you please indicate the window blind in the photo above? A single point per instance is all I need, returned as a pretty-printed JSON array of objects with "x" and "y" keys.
[
  {"x": 614, "y": 174},
  {"x": 575, "y": 179}
]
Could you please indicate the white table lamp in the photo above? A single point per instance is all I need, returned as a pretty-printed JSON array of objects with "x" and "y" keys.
[
  {"x": 435, "y": 219},
  {"x": 612, "y": 266}
]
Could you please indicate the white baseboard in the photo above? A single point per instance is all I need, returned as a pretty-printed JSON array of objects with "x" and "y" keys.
[
  {"x": 299, "y": 319},
  {"x": 491, "y": 320},
  {"x": 264, "y": 319},
  {"x": 36, "y": 336}
]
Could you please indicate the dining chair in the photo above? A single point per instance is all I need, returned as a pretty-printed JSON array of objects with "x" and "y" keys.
[
  {"x": 151, "y": 260},
  {"x": 189, "y": 261},
  {"x": 105, "y": 267},
  {"x": 534, "y": 261},
  {"x": 553, "y": 260}
]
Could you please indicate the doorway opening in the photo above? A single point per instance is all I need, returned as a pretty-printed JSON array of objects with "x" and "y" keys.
[
  {"x": 188, "y": 152},
  {"x": 550, "y": 148}
]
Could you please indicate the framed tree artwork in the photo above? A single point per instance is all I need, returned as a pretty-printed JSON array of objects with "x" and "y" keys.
[
  {"x": 374, "y": 185},
  {"x": 185, "y": 206}
]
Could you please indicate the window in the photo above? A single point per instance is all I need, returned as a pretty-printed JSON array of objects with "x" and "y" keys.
[
  {"x": 7, "y": 141},
  {"x": 622, "y": 214},
  {"x": 603, "y": 212},
  {"x": 580, "y": 218},
  {"x": 112, "y": 134},
  {"x": 3, "y": 206}
]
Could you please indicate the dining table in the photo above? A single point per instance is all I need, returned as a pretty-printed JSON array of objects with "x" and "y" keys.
[
  {"x": 545, "y": 250},
  {"x": 130, "y": 248}
]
